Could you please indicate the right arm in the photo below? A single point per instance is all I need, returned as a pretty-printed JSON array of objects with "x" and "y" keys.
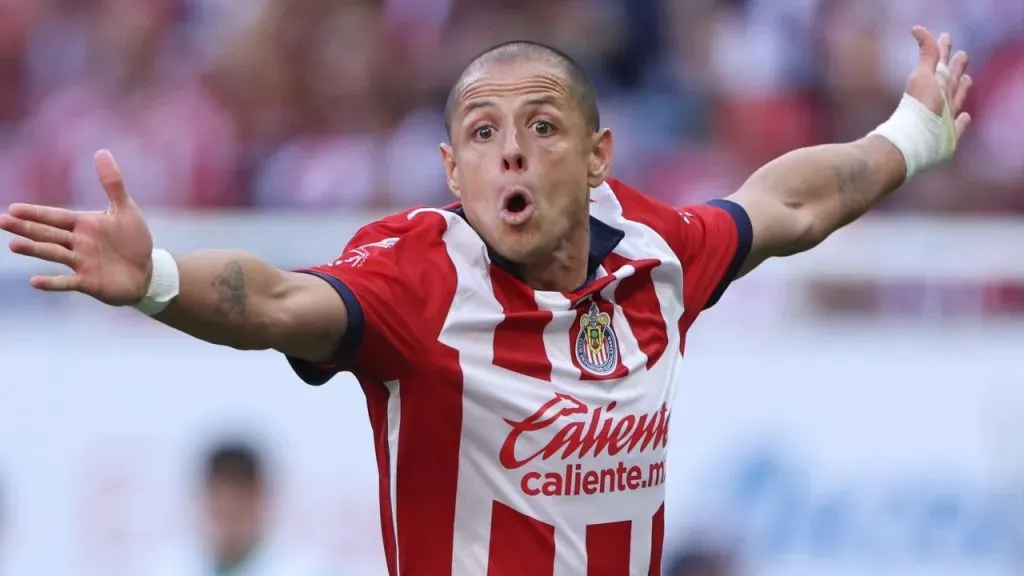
[
  {"x": 234, "y": 299},
  {"x": 360, "y": 313}
]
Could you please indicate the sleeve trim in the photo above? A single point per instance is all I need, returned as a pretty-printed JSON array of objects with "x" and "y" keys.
[
  {"x": 744, "y": 240},
  {"x": 318, "y": 374}
]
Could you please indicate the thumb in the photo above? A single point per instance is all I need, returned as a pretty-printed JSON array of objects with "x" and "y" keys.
[
  {"x": 111, "y": 179},
  {"x": 928, "y": 47}
]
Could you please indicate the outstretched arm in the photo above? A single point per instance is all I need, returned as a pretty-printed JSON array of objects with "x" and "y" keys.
[
  {"x": 225, "y": 297},
  {"x": 798, "y": 200},
  {"x": 234, "y": 299}
]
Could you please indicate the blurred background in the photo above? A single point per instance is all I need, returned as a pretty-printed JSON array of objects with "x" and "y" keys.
[{"x": 854, "y": 410}]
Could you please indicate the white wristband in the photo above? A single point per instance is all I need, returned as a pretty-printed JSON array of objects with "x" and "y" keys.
[
  {"x": 163, "y": 286},
  {"x": 924, "y": 138}
]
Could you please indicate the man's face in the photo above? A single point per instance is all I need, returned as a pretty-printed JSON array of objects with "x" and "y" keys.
[
  {"x": 235, "y": 510},
  {"x": 522, "y": 158}
]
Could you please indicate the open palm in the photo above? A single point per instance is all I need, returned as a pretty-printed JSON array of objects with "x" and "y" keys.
[
  {"x": 108, "y": 252},
  {"x": 940, "y": 80}
]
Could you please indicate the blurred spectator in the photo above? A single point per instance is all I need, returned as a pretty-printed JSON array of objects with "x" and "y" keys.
[
  {"x": 700, "y": 561},
  {"x": 236, "y": 538},
  {"x": 4, "y": 523},
  {"x": 236, "y": 485},
  {"x": 142, "y": 99},
  {"x": 317, "y": 104}
]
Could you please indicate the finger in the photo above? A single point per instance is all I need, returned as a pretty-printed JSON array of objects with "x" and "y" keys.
[
  {"x": 111, "y": 179},
  {"x": 928, "y": 49},
  {"x": 35, "y": 231},
  {"x": 960, "y": 96},
  {"x": 962, "y": 122},
  {"x": 55, "y": 283},
  {"x": 43, "y": 251},
  {"x": 945, "y": 43},
  {"x": 958, "y": 65},
  {"x": 56, "y": 217}
]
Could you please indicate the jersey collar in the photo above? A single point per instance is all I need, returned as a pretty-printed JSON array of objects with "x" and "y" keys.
[{"x": 603, "y": 240}]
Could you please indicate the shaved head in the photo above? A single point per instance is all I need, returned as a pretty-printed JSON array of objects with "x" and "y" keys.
[
  {"x": 580, "y": 86},
  {"x": 525, "y": 149}
]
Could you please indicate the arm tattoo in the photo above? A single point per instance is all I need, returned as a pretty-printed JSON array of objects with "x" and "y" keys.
[
  {"x": 856, "y": 183},
  {"x": 232, "y": 296}
]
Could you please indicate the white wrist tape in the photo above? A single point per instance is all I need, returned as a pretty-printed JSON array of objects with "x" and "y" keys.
[
  {"x": 163, "y": 286},
  {"x": 925, "y": 139}
]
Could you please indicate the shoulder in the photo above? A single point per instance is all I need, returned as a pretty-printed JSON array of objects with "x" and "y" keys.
[
  {"x": 417, "y": 230},
  {"x": 632, "y": 206},
  {"x": 419, "y": 221}
]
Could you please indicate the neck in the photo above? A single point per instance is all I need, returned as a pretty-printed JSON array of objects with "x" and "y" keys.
[{"x": 566, "y": 269}]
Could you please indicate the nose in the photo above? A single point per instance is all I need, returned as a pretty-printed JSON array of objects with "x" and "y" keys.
[{"x": 512, "y": 157}]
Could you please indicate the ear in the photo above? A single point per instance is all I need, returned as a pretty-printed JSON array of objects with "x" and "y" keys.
[
  {"x": 600, "y": 162},
  {"x": 451, "y": 170}
]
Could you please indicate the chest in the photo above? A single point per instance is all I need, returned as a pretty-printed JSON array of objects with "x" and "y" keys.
[{"x": 555, "y": 379}]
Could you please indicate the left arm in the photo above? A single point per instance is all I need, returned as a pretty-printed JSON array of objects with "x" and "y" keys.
[{"x": 798, "y": 200}]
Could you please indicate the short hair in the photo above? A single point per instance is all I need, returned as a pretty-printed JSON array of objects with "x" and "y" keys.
[
  {"x": 580, "y": 85},
  {"x": 236, "y": 463}
]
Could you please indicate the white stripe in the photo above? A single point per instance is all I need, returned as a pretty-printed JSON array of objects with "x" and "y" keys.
[
  {"x": 557, "y": 344},
  {"x": 570, "y": 550},
  {"x": 469, "y": 328},
  {"x": 630, "y": 354},
  {"x": 641, "y": 535},
  {"x": 394, "y": 430}
]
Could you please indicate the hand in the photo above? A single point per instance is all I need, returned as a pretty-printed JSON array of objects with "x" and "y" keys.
[
  {"x": 938, "y": 81},
  {"x": 109, "y": 252}
]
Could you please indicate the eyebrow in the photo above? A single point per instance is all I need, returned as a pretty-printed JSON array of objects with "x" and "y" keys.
[{"x": 477, "y": 105}]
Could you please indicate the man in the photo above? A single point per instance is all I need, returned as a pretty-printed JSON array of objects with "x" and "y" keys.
[
  {"x": 4, "y": 530},
  {"x": 699, "y": 562},
  {"x": 519, "y": 352},
  {"x": 235, "y": 539},
  {"x": 234, "y": 501}
]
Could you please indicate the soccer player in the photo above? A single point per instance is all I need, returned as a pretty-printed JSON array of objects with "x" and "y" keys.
[{"x": 519, "y": 351}]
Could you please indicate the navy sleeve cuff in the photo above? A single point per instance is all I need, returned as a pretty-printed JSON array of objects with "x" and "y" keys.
[
  {"x": 316, "y": 375},
  {"x": 745, "y": 237}
]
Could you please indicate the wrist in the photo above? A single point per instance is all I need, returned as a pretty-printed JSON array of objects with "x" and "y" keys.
[
  {"x": 923, "y": 138},
  {"x": 164, "y": 284}
]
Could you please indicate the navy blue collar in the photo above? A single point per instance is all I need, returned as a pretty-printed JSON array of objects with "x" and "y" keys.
[{"x": 603, "y": 240}]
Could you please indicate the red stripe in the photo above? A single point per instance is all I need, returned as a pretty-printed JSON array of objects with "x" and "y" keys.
[
  {"x": 608, "y": 549},
  {"x": 431, "y": 428},
  {"x": 657, "y": 541},
  {"x": 519, "y": 338},
  {"x": 639, "y": 301},
  {"x": 519, "y": 544},
  {"x": 377, "y": 405}
]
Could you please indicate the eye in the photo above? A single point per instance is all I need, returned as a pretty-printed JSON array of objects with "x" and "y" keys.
[
  {"x": 484, "y": 132},
  {"x": 543, "y": 128}
]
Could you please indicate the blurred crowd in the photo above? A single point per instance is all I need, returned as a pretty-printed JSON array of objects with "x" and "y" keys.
[{"x": 310, "y": 104}]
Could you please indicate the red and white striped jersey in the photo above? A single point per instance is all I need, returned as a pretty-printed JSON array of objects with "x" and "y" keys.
[{"x": 520, "y": 431}]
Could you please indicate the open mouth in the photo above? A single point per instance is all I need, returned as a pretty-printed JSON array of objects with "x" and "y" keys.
[{"x": 516, "y": 206}]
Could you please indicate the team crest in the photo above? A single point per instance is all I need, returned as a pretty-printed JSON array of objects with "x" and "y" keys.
[{"x": 596, "y": 348}]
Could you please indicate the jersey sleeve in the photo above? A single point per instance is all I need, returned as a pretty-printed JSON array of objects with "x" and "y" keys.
[
  {"x": 712, "y": 241},
  {"x": 384, "y": 278}
]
